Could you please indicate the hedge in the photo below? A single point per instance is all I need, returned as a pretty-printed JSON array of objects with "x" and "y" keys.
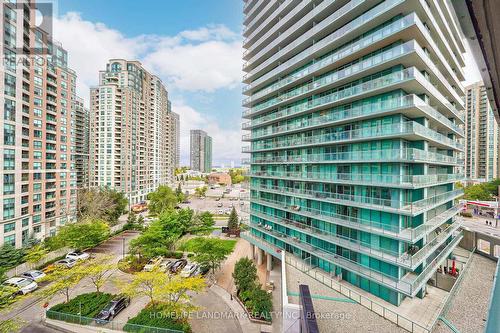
[
  {"x": 89, "y": 304},
  {"x": 156, "y": 316}
]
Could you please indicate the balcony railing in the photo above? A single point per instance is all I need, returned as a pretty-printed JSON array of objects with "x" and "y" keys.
[
  {"x": 408, "y": 285},
  {"x": 411, "y": 235},
  {"x": 388, "y": 155},
  {"x": 411, "y": 181},
  {"x": 353, "y": 24},
  {"x": 396, "y": 204},
  {"x": 377, "y": 131},
  {"x": 342, "y": 114}
]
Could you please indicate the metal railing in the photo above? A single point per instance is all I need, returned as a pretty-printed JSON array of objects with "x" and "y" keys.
[
  {"x": 388, "y": 180},
  {"x": 113, "y": 325},
  {"x": 400, "y": 128},
  {"x": 394, "y": 231},
  {"x": 387, "y": 155},
  {"x": 342, "y": 113}
]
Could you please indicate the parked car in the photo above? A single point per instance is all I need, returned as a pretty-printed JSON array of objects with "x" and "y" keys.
[
  {"x": 178, "y": 265},
  {"x": 34, "y": 275},
  {"x": 68, "y": 262},
  {"x": 113, "y": 308},
  {"x": 189, "y": 270},
  {"x": 78, "y": 255},
  {"x": 165, "y": 265},
  {"x": 217, "y": 199},
  {"x": 155, "y": 262},
  {"x": 201, "y": 270},
  {"x": 22, "y": 285},
  {"x": 242, "y": 203},
  {"x": 186, "y": 202},
  {"x": 220, "y": 212},
  {"x": 220, "y": 204}
]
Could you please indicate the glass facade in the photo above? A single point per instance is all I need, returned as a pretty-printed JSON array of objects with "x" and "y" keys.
[{"x": 355, "y": 120}]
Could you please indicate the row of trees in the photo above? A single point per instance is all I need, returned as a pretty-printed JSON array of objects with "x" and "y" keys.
[
  {"x": 101, "y": 204},
  {"x": 160, "y": 237},
  {"x": 483, "y": 191},
  {"x": 257, "y": 300}
]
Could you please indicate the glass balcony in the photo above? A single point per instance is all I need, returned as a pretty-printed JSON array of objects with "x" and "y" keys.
[
  {"x": 409, "y": 259},
  {"x": 409, "y": 284},
  {"x": 384, "y": 155},
  {"x": 347, "y": 9},
  {"x": 351, "y": 26},
  {"x": 383, "y": 204},
  {"x": 361, "y": 134},
  {"x": 410, "y": 235},
  {"x": 339, "y": 54},
  {"x": 388, "y": 180},
  {"x": 368, "y": 109}
]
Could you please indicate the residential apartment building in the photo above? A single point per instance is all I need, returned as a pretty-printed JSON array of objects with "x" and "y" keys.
[
  {"x": 200, "y": 151},
  {"x": 355, "y": 111},
  {"x": 481, "y": 136},
  {"x": 37, "y": 91},
  {"x": 130, "y": 140},
  {"x": 81, "y": 125},
  {"x": 176, "y": 137}
]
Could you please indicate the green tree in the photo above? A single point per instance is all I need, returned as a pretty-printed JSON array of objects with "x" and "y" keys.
[
  {"x": 260, "y": 302},
  {"x": 201, "y": 222},
  {"x": 154, "y": 241},
  {"x": 477, "y": 192},
  {"x": 10, "y": 256},
  {"x": 201, "y": 191},
  {"x": 179, "y": 193},
  {"x": 35, "y": 253},
  {"x": 232, "y": 222},
  {"x": 162, "y": 200},
  {"x": 244, "y": 274},
  {"x": 11, "y": 325},
  {"x": 100, "y": 204},
  {"x": 62, "y": 280},
  {"x": 83, "y": 235},
  {"x": 210, "y": 252},
  {"x": 99, "y": 270}
]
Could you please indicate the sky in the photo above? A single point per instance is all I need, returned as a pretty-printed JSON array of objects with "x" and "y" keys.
[{"x": 194, "y": 46}]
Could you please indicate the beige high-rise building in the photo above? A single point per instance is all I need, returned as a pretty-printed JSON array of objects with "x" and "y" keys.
[
  {"x": 130, "y": 140},
  {"x": 176, "y": 137},
  {"x": 81, "y": 126},
  {"x": 37, "y": 92},
  {"x": 482, "y": 136}
]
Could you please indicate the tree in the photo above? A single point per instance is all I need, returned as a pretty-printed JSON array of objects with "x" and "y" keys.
[
  {"x": 477, "y": 192},
  {"x": 6, "y": 293},
  {"x": 99, "y": 271},
  {"x": 105, "y": 204},
  {"x": 244, "y": 274},
  {"x": 11, "y": 325},
  {"x": 179, "y": 193},
  {"x": 201, "y": 191},
  {"x": 162, "y": 200},
  {"x": 232, "y": 222},
  {"x": 260, "y": 302},
  {"x": 159, "y": 287},
  {"x": 132, "y": 218},
  {"x": 83, "y": 235},
  {"x": 10, "y": 256},
  {"x": 35, "y": 253},
  {"x": 62, "y": 280},
  {"x": 201, "y": 222},
  {"x": 154, "y": 241},
  {"x": 210, "y": 252}
]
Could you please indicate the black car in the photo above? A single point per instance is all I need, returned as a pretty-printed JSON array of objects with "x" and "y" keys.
[
  {"x": 112, "y": 309},
  {"x": 178, "y": 265}
]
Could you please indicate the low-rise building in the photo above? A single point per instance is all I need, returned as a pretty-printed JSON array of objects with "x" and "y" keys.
[{"x": 219, "y": 178}]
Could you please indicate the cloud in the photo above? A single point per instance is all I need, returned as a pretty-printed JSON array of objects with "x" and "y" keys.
[
  {"x": 226, "y": 142},
  {"x": 204, "y": 59}
]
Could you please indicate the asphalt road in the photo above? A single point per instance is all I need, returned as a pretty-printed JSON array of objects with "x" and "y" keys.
[{"x": 30, "y": 310}]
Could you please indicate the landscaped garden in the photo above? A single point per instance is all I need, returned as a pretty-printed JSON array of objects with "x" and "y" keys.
[{"x": 256, "y": 300}]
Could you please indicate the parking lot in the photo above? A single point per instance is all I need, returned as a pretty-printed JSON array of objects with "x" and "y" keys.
[{"x": 216, "y": 204}]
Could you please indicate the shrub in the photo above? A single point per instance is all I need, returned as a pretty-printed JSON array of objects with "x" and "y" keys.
[
  {"x": 466, "y": 214},
  {"x": 88, "y": 305},
  {"x": 156, "y": 316}
]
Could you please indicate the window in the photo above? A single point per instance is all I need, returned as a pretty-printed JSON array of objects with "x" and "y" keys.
[
  {"x": 8, "y": 183},
  {"x": 9, "y": 159},
  {"x": 10, "y": 85},
  {"x": 37, "y": 229},
  {"x": 38, "y": 81},
  {"x": 37, "y": 112},
  {"x": 37, "y": 197},
  {"x": 26, "y": 222},
  {"x": 37, "y": 144},
  {"x": 11, "y": 240},
  {"x": 9, "y": 227},
  {"x": 10, "y": 59},
  {"x": 37, "y": 155},
  {"x": 37, "y": 123},
  {"x": 37, "y": 218},
  {"x": 9, "y": 110},
  {"x": 8, "y": 208},
  {"x": 9, "y": 134}
]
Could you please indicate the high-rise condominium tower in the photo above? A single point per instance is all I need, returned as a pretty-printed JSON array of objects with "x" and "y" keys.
[
  {"x": 481, "y": 136},
  {"x": 37, "y": 92},
  {"x": 176, "y": 138},
  {"x": 201, "y": 151},
  {"x": 82, "y": 134},
  {"x": 354, "y": 110},
  {"x": 130, "y": 140}
]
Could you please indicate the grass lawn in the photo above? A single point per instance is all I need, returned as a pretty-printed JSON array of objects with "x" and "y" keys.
[
  {"x": 155, "y": 316},
  {"x": 190, "y": 244}
]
